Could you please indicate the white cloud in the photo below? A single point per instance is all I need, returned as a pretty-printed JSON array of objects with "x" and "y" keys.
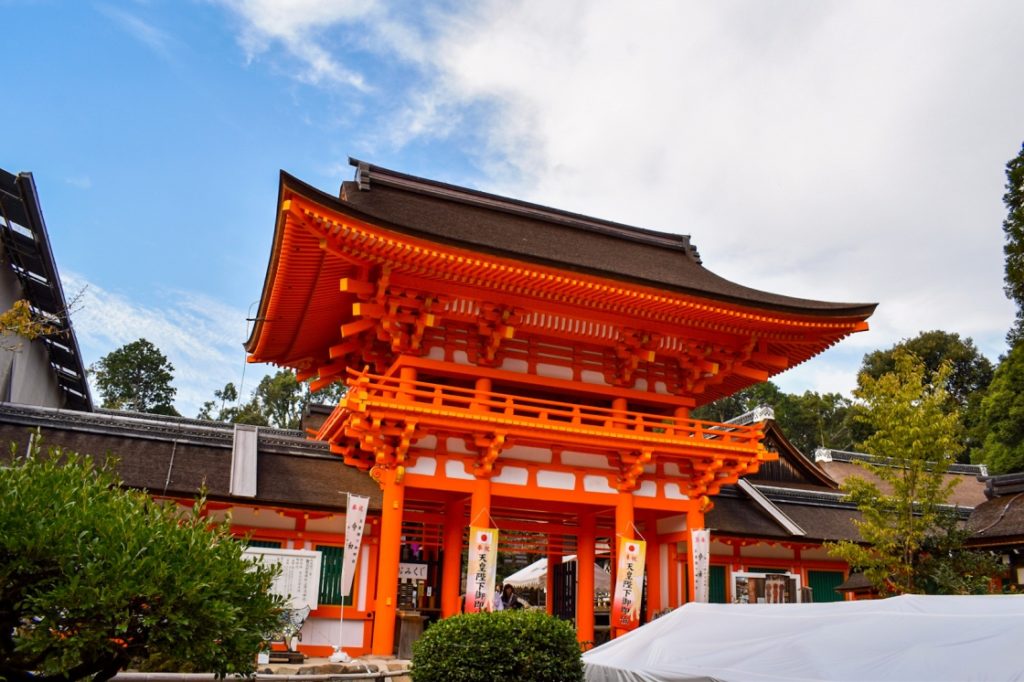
[
  {"x": 156, "y": 40},
  {"x": 833, "y": 150},
  {"x": 298, "y": 26},
  {"x": 200, "y": 336}
]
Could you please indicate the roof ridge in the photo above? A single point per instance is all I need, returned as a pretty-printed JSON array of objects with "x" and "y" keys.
[{"x": 368, "y": 174}]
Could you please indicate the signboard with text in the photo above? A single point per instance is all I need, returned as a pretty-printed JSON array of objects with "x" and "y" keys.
[
  {"x": 629, "y": 583},
  {"x": 299, "y": 580},
  {"x": 483, "y": 565}
]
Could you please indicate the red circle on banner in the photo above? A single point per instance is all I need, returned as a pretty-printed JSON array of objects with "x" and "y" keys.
[
  {"x": 631, "y": 548},
  {"x": 483, "y": 537}
]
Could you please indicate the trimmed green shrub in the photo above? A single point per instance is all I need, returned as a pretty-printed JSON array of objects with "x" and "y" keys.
[{"x": 507, "y": 646}]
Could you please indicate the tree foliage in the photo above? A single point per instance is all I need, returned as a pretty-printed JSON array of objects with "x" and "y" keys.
[
  {"x": 969, "y": 375},
  {"x": 810, "y": 421},
  {"x": 505, "y": 646},
  {"x": 1013, "y": 228},
  {"x": 1003, "y": 416},
  {"x": 914, "y": 438},
  {"x": 21, "y": 321},
  {"x": 278, "y": 400},
  {"x": 136, "y": 377},
  {"x": 93, "y": 576}
]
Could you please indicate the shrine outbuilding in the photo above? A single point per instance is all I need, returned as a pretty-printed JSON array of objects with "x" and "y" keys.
[{"x": 525, "y": 369}]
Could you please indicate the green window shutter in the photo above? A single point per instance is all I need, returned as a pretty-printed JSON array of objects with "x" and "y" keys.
[
  {"x": 823, "y": 585},
  {"x": 330, "y": 576},
  {"x": 267, "y": 544},
  {"x": 716, "y": 585}
]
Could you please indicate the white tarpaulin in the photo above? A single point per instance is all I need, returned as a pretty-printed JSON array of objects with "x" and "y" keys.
[
  {"x": 536, "y": 575},
  {"x": 912, "y": 638}
]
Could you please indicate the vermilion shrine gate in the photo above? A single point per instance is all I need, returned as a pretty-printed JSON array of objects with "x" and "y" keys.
[{"x": 524, "y": 368}]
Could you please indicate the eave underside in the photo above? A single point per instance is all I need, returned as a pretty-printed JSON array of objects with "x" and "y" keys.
[{"x": 304, "y": 309}]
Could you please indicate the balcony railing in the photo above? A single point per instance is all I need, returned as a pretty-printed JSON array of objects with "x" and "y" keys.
[{"x": 469, "y": 410}]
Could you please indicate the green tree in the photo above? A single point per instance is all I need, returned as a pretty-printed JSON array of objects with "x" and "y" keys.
[
  {"x": 815, "y": 420},
  {"x": 724, "y": 409},
  {"x": 969, "y": 376},
  {"x": 809, "y": 421},
  {"x": 1013, "y": 228},
  {"x": 93, "y": 576},
  {"x": 1003, "y": 416},
  {"x": 228, "y": 409},
  {"x": 914, "y": 438},
  {"x": 136, "y": 377},
  {"x": 278, "y": 400}
]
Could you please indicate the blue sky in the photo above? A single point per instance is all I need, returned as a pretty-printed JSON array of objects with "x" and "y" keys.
[{"x": 843, "y": 151}]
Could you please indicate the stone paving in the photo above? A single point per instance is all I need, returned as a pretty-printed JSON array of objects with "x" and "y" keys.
[{"x": 322, "y": 666}]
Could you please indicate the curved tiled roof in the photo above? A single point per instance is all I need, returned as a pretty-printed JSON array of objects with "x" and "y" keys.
[{"x": 548, "y": 236}]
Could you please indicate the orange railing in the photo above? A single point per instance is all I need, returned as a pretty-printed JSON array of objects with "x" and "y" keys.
[{"x": 475, "y": 405}]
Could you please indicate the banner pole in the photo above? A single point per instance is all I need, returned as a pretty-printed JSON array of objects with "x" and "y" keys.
[{"x": 339, "y": 655}]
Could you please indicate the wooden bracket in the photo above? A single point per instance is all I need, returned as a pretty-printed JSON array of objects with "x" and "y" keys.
[
  {"x": 496, "y": 324},
  {"x": 635, "y": 346},
  {"x": 631, "y": 467},
  {"x": 490, "y": 449}
]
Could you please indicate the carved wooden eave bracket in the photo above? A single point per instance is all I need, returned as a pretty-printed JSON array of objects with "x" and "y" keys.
[
  {"x": 495, "y": 324},
  {"x": 631, "y": 467},
  {"x": 632, "y": 348},
  {"x": 489, "y": 449}
]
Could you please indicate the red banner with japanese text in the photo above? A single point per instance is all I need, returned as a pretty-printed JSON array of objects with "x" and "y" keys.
[
  {"x": 629, "y": 583},
  {"x": 483, "y": 564}
]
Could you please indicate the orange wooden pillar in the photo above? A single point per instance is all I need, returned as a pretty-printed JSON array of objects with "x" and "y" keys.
[
  {"x": 624, "y": 521},
  {"x": 451, "y": 570},
  {"x": 480, "y": 504},
  {"x": 387, "y": 564},
  {"x": 653, "y": 567},
  {"x": 694, "y": 521},
  {"x": 674, "y": 599},
  {"x": 585, "y": 588}
]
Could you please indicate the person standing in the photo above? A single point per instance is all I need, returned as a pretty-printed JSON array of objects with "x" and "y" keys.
[{"x": 509, "y": 599}]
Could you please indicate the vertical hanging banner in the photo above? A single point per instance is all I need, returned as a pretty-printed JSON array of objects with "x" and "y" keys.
[
  {"x": 700, "y": 557},
  {"x": 629, "y": 584},
  {"x": 355, "y": 519},
  {"x": 483, "y": 564}
]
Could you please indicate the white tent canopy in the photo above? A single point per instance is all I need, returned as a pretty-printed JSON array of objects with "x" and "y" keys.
[
  {"x": 910, "y": 638},
  {"x": 536, "y": 574}
]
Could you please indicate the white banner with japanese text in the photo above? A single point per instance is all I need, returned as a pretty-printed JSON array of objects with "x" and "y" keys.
[
  {"x": 483, "y": 565},
  {"x": 629, "y": 584},
  {"x": 355, "y": 519},
  {"x": 700, "y": 557}
]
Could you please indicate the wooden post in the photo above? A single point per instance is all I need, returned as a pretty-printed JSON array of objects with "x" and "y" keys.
[
  {"x": 553, "y": 562},
  {"x": 387, "y": 565},
  {"x": 674, "y": 598},
  {"x": 585, "y": 588},
  {"x": 624, "y": 519},
  {"x": 653, "y": 567},
  {"x": 454, "y": 525},
  {"x": 480, "y": 504}
]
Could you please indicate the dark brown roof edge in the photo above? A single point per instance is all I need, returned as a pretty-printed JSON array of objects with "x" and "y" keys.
[
  {"x": 774, "y": 302},
  {"x": 261, "y": 312},
  {"x": 368, "y": 174}
]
